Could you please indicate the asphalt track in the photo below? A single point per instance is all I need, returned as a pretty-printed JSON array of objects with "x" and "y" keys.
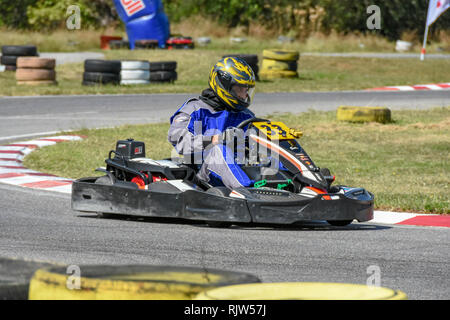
[
  {"x": 40, "y": 225},
  {"x": 21, "y": 117}
]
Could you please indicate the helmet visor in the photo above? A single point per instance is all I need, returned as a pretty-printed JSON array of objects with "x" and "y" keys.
[{"x": 243, "y": 93}]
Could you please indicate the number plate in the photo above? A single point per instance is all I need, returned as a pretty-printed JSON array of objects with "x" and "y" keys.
[{"x": 274, "y": 130}]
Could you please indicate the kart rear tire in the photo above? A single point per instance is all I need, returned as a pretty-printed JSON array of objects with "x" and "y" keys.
[{"x": 339, "y": 223}]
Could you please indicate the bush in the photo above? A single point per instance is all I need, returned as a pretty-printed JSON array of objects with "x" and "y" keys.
[
  {"x": 13, "y": 13},
  {"x": 296, "y": 17},
  {"x": 301, "y": 17}
]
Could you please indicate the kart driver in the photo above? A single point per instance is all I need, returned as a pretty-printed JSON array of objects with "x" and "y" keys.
[{"x": 200, "y": 124}]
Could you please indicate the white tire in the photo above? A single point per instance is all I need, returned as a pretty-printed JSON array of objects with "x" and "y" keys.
[
  {"x": 131, "y": 82},
  {"x": 135, "y": 75},
  {"x": 135, "y": 65}
]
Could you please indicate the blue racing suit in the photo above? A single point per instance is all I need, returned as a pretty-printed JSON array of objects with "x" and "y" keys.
[{"x": 190, "y": 132}]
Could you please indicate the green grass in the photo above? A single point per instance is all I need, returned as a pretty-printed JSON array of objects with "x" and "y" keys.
[
  {"x": 406, "y": 163},
  {"x": 316, "y": 74}
]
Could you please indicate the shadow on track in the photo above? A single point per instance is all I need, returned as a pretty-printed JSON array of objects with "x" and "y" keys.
[{"x": 299, "y": 226}]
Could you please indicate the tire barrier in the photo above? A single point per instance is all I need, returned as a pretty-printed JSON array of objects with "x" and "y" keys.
[
  {"x": 163, "y": 76},
  {"x": 251, "y": 59},
  {"x": 134, "y": 75},
  {"x": 11, "y": 53},
  {"x": 107, "y": 66},
  {"x": 301, "y": 291},
  {"x": 163, "y": 66},
  {"x": 134, "y": 72},
  {"x": 279, "y": 64},
  {"x": 163, "y": 71},
  {"x": 128, "y": 72},
  {"x": 277, "y": 74},
  {"x": 36, "y": 63},
  {"x": 269, "y": 64},
  {"x": 101, "y": 72},
  {"x": 133, "y": 82},
  {"x": 35, "y": 71},
  {"x": 130, "y": 282},
  {"x": 135, "y": 65},
  {"x": 363, "y": 114},
  {"x": 281, "y": 55},
  {"x": 100, "y": 78}
]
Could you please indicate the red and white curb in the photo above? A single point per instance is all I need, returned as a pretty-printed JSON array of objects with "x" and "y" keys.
[
  {"x": 13, "y": 172},
  {"x": 437, "y": 86},
  {"x": 411, "y": 219}
]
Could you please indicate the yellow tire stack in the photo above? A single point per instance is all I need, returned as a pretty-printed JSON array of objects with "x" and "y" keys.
[
  {"x": 35, "y": 71},
  {"x": 132, "y": 282},
  {"x": 363, "y": 114},
  {"x": 279, "y": 63},
  {"x": 301, "y": 291}
]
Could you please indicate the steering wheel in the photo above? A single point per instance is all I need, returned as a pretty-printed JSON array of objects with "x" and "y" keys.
[{"x": 251, "y": 120}]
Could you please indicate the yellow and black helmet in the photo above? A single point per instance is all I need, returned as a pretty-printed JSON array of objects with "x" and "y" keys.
[{"x": 233, "y": 82}]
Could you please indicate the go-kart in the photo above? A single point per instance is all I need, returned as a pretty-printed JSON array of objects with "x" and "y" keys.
[{"x": 170, "y": 188}]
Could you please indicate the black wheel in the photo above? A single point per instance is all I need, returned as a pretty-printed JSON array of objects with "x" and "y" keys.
[
  {"x": 102, "y": 66},
  {"x": 223, "y": 192},
  {"x": 163, "y": 66},
  {"x": 101, "y": 77},
  {"x": 163, "y": 76},
  {"x": 8, "y": 60},
  {"x": 30, "y": 51},
  {"x": 339, "y": 223}
]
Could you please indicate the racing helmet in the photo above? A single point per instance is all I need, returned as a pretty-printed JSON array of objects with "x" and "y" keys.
[{"x": 233, "y": 82}]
